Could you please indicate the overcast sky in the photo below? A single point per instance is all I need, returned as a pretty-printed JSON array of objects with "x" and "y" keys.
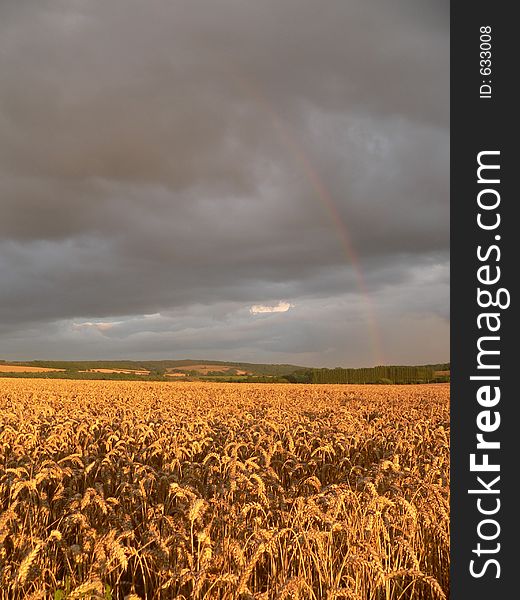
[{"x": 265, "y": 181}]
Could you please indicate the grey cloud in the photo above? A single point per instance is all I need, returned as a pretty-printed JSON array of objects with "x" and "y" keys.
[
  {"x": 316, "y": 331},
  {"x": 162, "y": 156}
]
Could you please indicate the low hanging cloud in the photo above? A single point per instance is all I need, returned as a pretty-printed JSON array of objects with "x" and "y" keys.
[
  {"x": 99, "y": 326},
  {"x": 281, "y": 307}
]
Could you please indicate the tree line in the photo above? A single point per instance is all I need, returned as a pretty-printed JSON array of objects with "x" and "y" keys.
[{"x": 382, "y": 374}]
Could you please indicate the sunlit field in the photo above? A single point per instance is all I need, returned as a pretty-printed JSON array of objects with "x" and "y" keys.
[{"x": 223, "y": 491}]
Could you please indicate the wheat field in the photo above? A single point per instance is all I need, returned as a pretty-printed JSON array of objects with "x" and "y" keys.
[{"x": 223, "y": 491}]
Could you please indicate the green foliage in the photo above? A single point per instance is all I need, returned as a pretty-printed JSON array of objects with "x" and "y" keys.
[
  {"x": 381, "y": 374},
  {"x": 301, "y": 376}
]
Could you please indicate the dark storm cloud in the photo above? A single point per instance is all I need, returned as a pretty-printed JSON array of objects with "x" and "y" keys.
[{"x": 178, "y": 157}]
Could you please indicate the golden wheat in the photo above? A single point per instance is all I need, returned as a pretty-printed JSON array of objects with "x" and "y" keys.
[{"x": 223, "y": 491}]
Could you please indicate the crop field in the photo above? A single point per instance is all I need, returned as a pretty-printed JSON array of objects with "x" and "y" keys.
[
  {"x": 127, "y": 371},
  {"x": 172, "y": 490},
  {"x": 4, "y": 368}
]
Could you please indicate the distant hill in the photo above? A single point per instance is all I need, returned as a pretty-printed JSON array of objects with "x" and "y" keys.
[
  {"x": 214, "y": 370},
  {"x": 122, "y": 369}
]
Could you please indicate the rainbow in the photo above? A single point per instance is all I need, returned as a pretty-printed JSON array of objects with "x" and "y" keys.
[{"x": 301, "y": 158}]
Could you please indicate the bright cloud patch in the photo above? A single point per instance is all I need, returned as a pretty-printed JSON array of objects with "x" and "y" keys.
[
  {"x": 98, "y": 326},
  {"x": 262, "y": 308}
]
